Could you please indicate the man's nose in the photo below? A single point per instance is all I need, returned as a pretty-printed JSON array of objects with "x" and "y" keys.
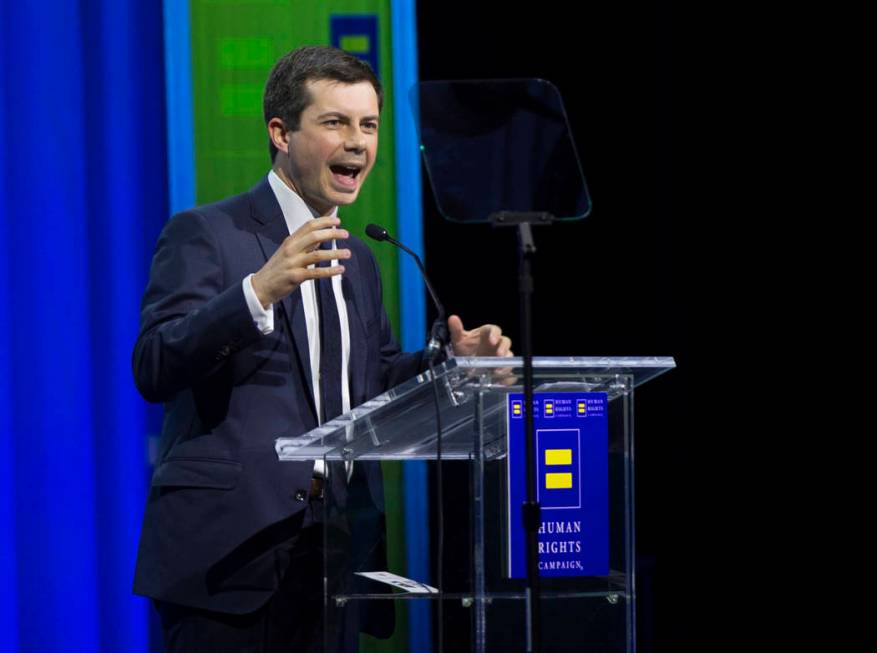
[{"x": 355, "y": 140}]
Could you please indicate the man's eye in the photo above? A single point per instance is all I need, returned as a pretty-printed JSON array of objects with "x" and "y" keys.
[
  {"x": 370, "y": 126},
  {"x": 332, "y": 123}
]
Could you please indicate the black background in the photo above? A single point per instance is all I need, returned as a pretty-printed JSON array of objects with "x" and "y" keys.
[{"x": 612, "y": 283}]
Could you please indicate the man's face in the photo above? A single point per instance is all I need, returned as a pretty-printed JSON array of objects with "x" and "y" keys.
[{"x": 335, "y": 146}]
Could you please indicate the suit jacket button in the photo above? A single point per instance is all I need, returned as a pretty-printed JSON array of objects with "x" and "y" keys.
[{"x": 301, "y": 495}]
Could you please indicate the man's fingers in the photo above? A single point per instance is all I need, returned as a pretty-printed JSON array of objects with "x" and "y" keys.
[
  {"x": 330, "y": 271},
  {"x": 311, "y": 242},
  {"x": 329, "y": 234},
  {"x": 302, "y": 234},
  {"x": 491, "y": 333},
  {"x": 320, "y": 255},
  {"x": 314, "y": 232},
  {"x": 321, "y": 273},
  {"x": 314, "y": 239},
  {"x": 455, "y": 326}
]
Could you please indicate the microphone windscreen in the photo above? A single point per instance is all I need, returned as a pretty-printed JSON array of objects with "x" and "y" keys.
[{"x": 376, "y": 232}]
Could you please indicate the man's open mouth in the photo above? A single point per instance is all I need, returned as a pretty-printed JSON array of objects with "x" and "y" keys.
[{"x": 345, "y": 175}]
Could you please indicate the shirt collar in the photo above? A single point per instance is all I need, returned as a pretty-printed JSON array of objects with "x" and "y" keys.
[{"x": 295, "y": 210}]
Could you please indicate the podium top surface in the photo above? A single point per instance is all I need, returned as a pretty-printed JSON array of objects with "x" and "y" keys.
[{"x": 400, "y": 424}]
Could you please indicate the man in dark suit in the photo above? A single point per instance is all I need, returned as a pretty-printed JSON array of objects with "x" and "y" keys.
[{"x": 263, "y": 316}]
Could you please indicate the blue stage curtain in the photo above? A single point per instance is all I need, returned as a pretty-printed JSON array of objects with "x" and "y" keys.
[{"x": 82, "y": 199}]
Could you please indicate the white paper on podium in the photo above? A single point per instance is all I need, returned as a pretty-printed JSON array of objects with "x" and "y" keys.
[{"x": 410, "y": 586}]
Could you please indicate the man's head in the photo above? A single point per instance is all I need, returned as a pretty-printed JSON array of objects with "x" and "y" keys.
[{"x": 322, "y": 108}]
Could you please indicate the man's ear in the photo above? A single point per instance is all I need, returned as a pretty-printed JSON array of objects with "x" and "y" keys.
[{"x": 278, "y": 134}]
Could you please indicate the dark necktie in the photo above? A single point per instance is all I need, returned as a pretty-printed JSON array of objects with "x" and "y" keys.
[
  {"x": 330, "y": 376},
  {"x": 330, "y": 347}
]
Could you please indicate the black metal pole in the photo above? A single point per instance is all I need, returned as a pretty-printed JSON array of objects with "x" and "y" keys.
[{"x": 530, "y": 508}]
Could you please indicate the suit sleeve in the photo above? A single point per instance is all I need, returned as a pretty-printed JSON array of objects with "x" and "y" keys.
[{"x": 191, "y": 319}]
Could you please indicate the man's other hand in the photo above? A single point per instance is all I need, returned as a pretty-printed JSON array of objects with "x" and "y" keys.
[{"x": 486, "y": 340}]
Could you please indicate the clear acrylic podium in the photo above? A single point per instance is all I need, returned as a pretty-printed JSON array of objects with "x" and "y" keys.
[{"x": 583, "y": 613}]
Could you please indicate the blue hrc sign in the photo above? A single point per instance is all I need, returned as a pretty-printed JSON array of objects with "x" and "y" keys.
[{"x": 572, "y": 456}]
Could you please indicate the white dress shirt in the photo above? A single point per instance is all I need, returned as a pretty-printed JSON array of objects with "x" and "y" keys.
[{"x": 296, "y": 213}]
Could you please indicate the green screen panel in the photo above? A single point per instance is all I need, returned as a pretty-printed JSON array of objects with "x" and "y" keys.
[{"x": 234, "y": 45}]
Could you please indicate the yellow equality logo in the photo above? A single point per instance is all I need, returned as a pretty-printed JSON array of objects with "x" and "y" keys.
[{"x": 558, "y": 480}]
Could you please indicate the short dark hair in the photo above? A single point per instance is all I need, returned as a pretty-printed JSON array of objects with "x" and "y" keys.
[{"x": 286, "y": 92}]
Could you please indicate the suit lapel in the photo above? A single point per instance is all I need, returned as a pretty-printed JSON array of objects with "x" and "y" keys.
[{"x": 270, "y": 233}]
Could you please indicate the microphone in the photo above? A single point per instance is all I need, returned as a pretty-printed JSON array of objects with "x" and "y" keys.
[{"x": 438, "y": 335}]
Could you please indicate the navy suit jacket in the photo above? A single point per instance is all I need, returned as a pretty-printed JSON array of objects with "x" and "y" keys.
[{"x": 222, "y": 509}]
